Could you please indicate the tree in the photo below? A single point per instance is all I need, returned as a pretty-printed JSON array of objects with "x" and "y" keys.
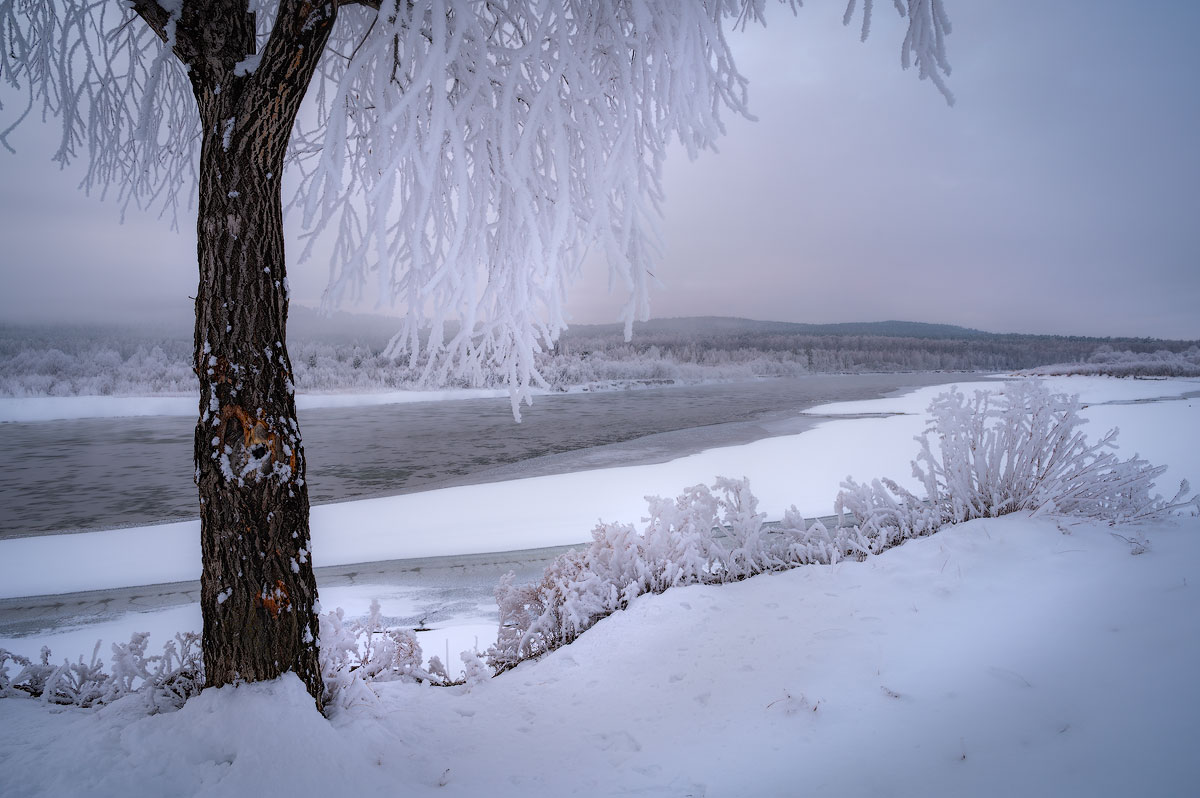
[{"x": 466, "y": 151}]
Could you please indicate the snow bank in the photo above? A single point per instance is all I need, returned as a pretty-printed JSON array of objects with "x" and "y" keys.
[
  {"x": 1000, "y": 657},
  {"x": 804, "y": 470},
  {"x": 223, "y": 742}
]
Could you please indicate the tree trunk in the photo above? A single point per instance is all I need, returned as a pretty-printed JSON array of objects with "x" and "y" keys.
[
  {"x": 257, "y": 590},
  {"x": 258, "y": 595}
]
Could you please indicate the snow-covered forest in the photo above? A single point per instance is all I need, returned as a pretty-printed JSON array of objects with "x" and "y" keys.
[
  {"x": 1107, "y": 361},
  {"x": 115, "y": 361}
]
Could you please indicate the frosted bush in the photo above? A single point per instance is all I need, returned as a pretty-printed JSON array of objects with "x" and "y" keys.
[
  {"x": 997, "y": 454},
  {"x": 7, "y": 658},
  {"x": 353, "y": 653},
  {"x": 1000, "y": 453},
  {"x": 703, "y": 536},
  {"x": 886, "y": 513},
  {"x": 165, "y": 680},
  {"x": 475, "y": 669},
  {"x": 438, "y": 670}
]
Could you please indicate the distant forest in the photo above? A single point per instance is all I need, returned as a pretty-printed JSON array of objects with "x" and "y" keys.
[
  {"x": 343, "y": 353},
  {"x": 855, "y": 347}
]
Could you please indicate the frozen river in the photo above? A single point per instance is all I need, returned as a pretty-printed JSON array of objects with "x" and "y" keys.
[
  {"x": 88, "y": 474},
  {"x": 103, "y": 473}
]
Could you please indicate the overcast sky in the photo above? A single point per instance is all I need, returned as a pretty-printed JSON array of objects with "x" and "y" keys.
[{"x": 1060, "y": 195}]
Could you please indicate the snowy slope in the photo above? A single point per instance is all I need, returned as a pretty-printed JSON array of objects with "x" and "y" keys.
[{"x": 1001, "y": 657}]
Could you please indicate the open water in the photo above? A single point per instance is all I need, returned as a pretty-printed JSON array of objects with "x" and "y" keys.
[{"x": 87, "y": 474}]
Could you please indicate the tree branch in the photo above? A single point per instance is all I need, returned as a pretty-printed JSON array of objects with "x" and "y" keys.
[
  {"x": 159, "y": 20},
  {"x": 153, "y": 14}
]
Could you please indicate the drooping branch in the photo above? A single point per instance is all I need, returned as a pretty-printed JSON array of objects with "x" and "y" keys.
[
  {"x": 466, "y": 155},
  {"x": 121, "y": 97},
  {"x": 462, "y": 155},
  {"x": 493, "y": 146}
]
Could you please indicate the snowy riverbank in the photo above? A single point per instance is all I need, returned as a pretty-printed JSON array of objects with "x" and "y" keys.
[
  {"x": 999, "y": 657},
  {"x": 804, "y": 469}
]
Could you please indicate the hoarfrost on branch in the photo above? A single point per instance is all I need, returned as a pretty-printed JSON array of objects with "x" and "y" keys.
[{"x": 462, "y": 155}]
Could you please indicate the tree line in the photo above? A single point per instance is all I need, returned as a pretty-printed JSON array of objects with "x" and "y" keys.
[{"x": 103, "y": 361}]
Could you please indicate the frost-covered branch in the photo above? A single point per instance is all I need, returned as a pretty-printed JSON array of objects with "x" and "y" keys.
[
  {"x": 121, "y": 96},
  {"x": 1019, "y": 450},
  {"x": 466, "y": 155},
  {"x": 462, "y": 155},
  {"x": 164, "y": 680},
  {"x": 703, "y": 536}
]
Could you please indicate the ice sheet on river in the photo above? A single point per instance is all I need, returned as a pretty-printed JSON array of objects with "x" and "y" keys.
[{"x": 803, "y": 469}]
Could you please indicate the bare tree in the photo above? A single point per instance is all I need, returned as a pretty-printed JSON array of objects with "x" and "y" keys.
[{"x": 464, "y": 153}]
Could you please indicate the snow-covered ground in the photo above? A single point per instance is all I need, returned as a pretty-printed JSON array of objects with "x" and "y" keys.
[{"x": 1000, "y": 657}]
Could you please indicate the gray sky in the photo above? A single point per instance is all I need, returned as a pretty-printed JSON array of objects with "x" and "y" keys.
[{"x": 1061, "y": 195}]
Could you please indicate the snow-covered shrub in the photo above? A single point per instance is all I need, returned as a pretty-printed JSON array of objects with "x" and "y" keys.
[
  {"x": 475, "y": 669},
  {"x": 703, "y": 536},
  {"x": 30, "y": 679},
  {"x": 165, "y": 680},
  {"x": 6, "y": 685},
  {"x": 1000, "y": 453},
  {"x": 353, "y": 653},
  {"x": 886, "y": 513},
  {"x": 997, "y": 454},
  {"x": 438, "y": 671}
]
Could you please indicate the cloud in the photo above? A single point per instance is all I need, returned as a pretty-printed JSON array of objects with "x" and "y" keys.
[{"x": 1058, "y": 196}]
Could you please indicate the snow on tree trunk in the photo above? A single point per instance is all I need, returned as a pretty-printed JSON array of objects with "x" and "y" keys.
[{"x": 258, "y": 593}]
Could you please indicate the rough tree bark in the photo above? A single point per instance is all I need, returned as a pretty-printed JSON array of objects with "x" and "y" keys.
[{"x": 257, "y": 591}]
